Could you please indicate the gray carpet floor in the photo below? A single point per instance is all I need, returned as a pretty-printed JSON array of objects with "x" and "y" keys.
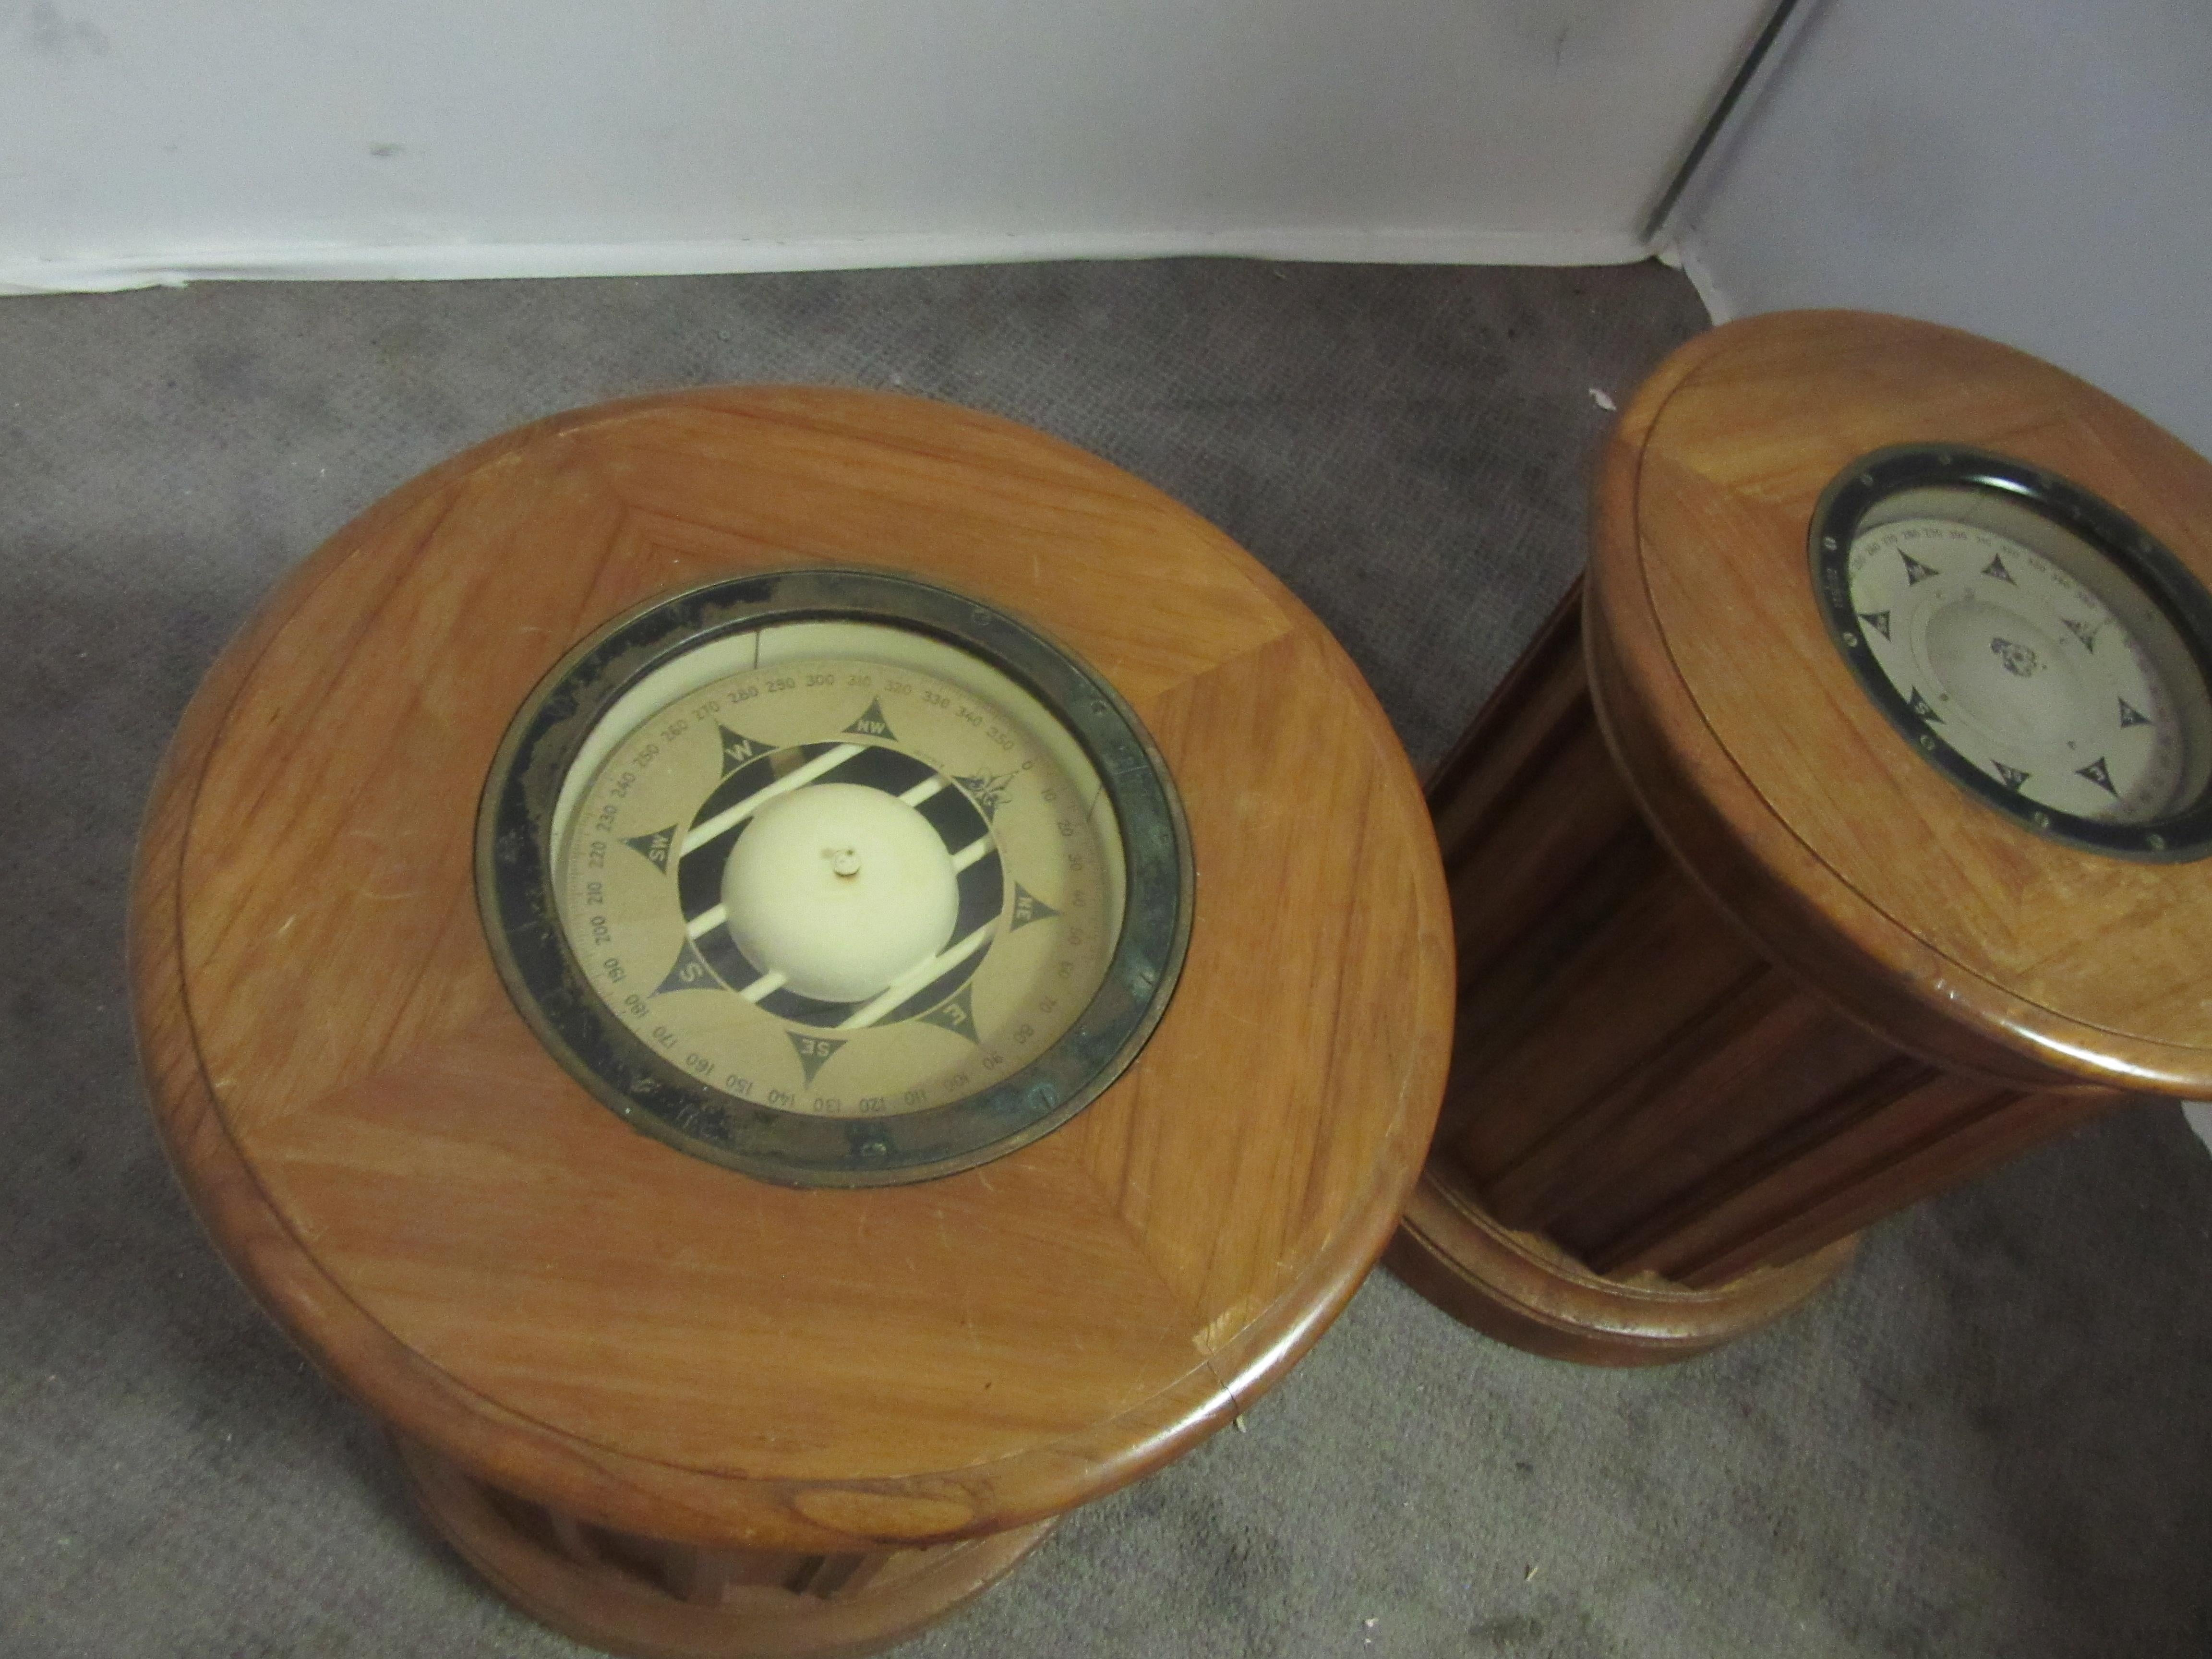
[{"x": 1993, "y": 1437}]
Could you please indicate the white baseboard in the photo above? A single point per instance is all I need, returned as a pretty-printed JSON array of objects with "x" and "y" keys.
[
  {"x": 352, "y": 262},
  {"x": 1685, "y": 254},
  {"x": 1689, "y": 257}
]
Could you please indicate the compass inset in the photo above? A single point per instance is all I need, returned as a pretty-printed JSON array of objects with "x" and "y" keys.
[
  {"x": 903, "y": 903},
  {"x": 2029, "y": 642},
  {"x": 834, "y": 868}
]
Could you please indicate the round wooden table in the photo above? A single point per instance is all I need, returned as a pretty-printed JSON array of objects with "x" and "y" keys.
[
  {"x": 1741, "y": 970},
  {"x": 664, "y": 1407}
]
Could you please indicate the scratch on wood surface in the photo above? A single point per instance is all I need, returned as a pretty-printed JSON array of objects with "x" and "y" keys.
[
  {"x": 1230, "y": 1319},
  {"x": 959, "y": 1283}
]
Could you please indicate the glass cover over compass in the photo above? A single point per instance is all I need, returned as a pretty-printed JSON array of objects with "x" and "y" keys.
[
  {"x": 2032, "y": 641},
  {"x": 834, "y": 876}
]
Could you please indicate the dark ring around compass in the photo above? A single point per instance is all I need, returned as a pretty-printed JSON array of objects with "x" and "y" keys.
[
  {"x": 515, "y": 890},
  {"x": 2179, "y": 838}
]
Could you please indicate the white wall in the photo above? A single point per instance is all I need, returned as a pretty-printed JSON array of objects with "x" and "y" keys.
[
  {"x": 140, "y": 138},
  {"x": 2037, "y": 171}
]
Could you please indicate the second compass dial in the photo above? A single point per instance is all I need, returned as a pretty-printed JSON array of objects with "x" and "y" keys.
[{"x": 840, "y": 885}]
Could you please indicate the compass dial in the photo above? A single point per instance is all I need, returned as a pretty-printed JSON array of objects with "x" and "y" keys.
[
  {"x": 2028, "y": 639},
  {"x": 2031, "y": 675},
  {"x": 841, "y": 885},
  {"x": 838, "y": 878}
]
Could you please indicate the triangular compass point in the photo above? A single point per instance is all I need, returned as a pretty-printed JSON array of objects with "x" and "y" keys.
[
  {"x": 2098, "y": 774},
  {"x": 813, "y": 1051},
  {"x": 737, "y": 749},
  {"x": 872, "y": 723},
  {"x": 2013, "y": 778},
  {"x": 1996, "y": 568},
  {"x": 655, "y": 847},
  {"x": 990, "y": 790},
  {"x": 1877, "y": 619},
  {"x": 2130, "y": 715},
  {"x": 956, "y": 1013},
  {"x": 1915, "y": 571},
  {"x": 1027, "y": 908},
  {"x": 691, "y": 973}
]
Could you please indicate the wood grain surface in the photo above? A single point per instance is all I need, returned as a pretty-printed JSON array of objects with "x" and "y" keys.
[
  {"x": 646, "y": 1598},
  {"x": 1644, "y": 1103},
  {"x": 492, "y": 1261},
  {"x": 1974, "y": 942},
  {"x": 1738, "y": 972},
  {"x": 1522, "y": 1288}
]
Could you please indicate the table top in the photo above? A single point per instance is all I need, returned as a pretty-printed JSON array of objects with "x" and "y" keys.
[
  {"x": 499, "y": 1267},
  {"x": 1959, "y": 931}
]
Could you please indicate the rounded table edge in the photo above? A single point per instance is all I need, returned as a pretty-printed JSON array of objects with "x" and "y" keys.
[
  {"x": 1753, "y": 867},
  {"x": 420, "y": 1402}
]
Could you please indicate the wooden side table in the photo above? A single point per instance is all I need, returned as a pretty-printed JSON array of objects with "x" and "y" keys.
[
  {"x": 1781, "y": 900},
  {"x": 664, "y": 1407}
]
